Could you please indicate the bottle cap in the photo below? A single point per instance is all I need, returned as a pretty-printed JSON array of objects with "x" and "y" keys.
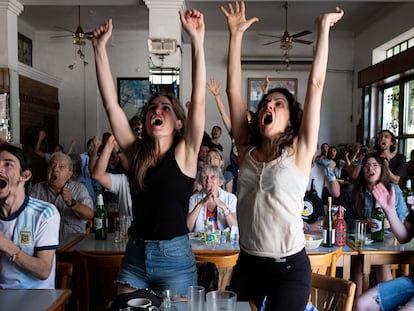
[{"x": 99, "y": 200}]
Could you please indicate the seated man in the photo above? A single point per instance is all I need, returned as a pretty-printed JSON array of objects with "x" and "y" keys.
[
  {"x": 70, "y": 197},
  {"x": 312, "y": 213},
  {"x": 29, "y": 228}
]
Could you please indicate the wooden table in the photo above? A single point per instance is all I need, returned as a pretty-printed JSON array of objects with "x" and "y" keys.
[
  {"x": 33, "y": 299},
  {"x": 108, "y": 246},
  {"x": 390, "y": 251},
  {"x": 199, "y": 247}
]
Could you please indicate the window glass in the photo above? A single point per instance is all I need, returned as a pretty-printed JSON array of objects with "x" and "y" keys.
[
  {"x": 409, "y": 107},
  {"x": 409, "y": 145},
  {"x": 390, "y": 109}
]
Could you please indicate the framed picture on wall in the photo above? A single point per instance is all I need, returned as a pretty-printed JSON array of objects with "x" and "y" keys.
[
  {"x": 133, "y": 94},
  {"x": 254, "y": 89}
]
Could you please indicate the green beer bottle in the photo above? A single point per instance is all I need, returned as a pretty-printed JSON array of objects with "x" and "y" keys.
[
  {"x": 378, "y": 216},
  {"x": 100, "y": 221}
]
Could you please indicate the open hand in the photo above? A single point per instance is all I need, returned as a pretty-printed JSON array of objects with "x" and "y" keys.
[{"x": 236, "y": 19}]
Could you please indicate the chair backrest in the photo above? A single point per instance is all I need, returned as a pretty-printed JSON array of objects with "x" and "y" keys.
[
  {"x": 224, "y": 264},
  {"x": 329, "y": 293},
  {"x": 64, "y": 272},
  {"x": 95, "y": 274},
  {"x": 321, "y": 262}
]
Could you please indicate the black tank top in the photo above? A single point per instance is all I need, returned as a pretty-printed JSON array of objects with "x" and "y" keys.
[{"x": 160, "y": 211}]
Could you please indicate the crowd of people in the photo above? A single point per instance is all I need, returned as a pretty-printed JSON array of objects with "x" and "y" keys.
[{"x": 169, "y": 175}]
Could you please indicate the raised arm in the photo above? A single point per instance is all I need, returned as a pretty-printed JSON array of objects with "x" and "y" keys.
[
  {"x": 117, "y": 118},
  {"x": 99, "y": 171},
  {"x": 237, "y": 24},
  {"x": 308, "y": 132},
  {"x": 187, "y": 150},
  {"x": 215, "y": 90},
  {"x": 40, "y": 139}
]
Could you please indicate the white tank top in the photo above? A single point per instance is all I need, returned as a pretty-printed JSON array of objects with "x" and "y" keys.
[{"x": 270, "y": 204}]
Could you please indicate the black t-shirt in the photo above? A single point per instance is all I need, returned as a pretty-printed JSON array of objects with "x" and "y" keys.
[{"x": 313, "y": 207}]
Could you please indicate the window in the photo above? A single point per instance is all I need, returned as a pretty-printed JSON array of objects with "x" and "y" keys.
[
  {"x": 24, "y": 49},
  {"x": 400, "y": 47},
  {"x": 165, "y": 79}
]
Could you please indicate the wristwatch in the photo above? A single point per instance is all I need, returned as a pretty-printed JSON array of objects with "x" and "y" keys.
[{"x": 73, "y": 203}]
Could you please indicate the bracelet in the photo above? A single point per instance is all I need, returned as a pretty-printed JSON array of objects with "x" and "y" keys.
[{"x": 14, "y": 257}]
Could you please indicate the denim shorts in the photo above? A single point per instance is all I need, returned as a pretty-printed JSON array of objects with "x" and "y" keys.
[
  {"x": 396, "y": 292},
  {"x": 159, "y": 265}
]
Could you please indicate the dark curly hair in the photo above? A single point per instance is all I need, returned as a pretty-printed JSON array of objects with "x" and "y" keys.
[{"x": 295, "y": 115}]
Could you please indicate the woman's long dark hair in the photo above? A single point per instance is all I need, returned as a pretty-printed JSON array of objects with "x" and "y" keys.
[
  {"x": 295, "y": 115},
  {"x": 361, "y": 183},
  {"x": 144, "y": 150}
]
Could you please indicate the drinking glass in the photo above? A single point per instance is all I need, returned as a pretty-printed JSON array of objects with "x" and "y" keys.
[
  {"x": 196, "y": 296},
  {"x": 360, "y": 233},
  {"x": 223, "y": 300}
]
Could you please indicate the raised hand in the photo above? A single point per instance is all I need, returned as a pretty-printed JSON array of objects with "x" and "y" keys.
[
  {"x": 384, "y": 197},
  {"x": 102, "y": 34},
  {"x": 214, "y": 87},
  {"x": 331, "y": 18},
  {"x": 193, "y": 23},
  {"x": 236, "y": 19}
]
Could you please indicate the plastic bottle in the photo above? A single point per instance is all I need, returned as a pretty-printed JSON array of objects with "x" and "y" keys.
[
  {"x": 377, "y": 216},
  {"x": 100, "y": 221},
  {"x": 340, "y": 228},
  {"x": 327, "y": 228},
  {"x": 209, "y": 230}
]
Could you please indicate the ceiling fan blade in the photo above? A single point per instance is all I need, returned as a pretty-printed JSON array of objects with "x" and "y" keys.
[
  {"x": 63, "y": 28},
  {"x": 62, "y": 36},
  {"x": 302, "y": 33},
  {"x": 302, "y": 41},
  {"x": 265, "y": 35},
  {"x": 268, "y": 43}
]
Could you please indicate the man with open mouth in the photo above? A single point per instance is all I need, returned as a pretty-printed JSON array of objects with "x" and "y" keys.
[
  {"x": 71, "y": 198},
  {"x": 29, "y": 228}
]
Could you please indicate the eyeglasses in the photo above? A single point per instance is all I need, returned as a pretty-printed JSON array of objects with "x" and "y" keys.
[{"x": 373, "y": 165}]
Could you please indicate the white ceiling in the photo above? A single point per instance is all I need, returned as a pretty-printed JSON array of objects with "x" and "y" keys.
[{"x": 43, "y": 15}]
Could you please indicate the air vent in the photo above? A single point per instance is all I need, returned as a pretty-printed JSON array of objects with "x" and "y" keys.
[{"x": 162, "y": 46}]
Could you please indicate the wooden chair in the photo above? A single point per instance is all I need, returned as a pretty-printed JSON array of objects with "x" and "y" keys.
[
  {"x": 95, "y": 275},
  {"x": 329, "y": 293},
  {"x": 224, "y": 264},
  {"x": 325, "y": 263},
  {"x": 64, "y": 272}
]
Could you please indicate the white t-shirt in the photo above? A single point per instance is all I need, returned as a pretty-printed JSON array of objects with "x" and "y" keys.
[{"x": 34, "y": 227}]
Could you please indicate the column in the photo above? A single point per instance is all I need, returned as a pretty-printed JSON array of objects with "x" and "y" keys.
[
  {"x": 164, "y": 22},
  {"x": 9, "y": 11}
]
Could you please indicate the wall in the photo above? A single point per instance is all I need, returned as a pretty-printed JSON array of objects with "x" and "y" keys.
[
  {"x": 396, "y": 22},
  {"x": 81, "y": 115}
]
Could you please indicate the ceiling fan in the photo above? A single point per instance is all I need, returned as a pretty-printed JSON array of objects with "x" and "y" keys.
[
  {"x": 79, "y": 36},
  {"x": 286, "y": 41}
]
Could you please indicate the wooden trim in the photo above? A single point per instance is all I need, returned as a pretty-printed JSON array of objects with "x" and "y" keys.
[
  {"x": 4, "y": 80},
  {"x": 389, "y": 70}
]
